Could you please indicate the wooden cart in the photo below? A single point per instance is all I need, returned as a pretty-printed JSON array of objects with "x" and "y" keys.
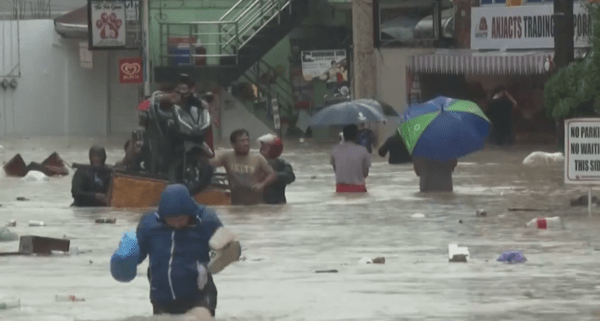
[{"x": 129, "y": 190}]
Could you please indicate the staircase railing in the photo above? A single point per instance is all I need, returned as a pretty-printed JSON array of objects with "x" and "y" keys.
[
  {"x": 232, "y": 32},
  {"x": 251, "y": 17},
  {"x": 271, "y": 85},
  {"x": 188, "y": 33}
]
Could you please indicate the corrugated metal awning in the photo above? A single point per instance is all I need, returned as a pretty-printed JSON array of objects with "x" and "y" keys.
[
  {"x": 460, "y": 61},
  {"x": 74, "y": 24}
]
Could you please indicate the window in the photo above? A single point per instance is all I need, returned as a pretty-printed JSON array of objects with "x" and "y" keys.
[{"x": 410, "y": 22}]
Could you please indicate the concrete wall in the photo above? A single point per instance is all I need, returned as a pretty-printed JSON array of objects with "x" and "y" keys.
[
  {"x": 87, "y": 96},
  {"x": 234, "y": 115},
  {"x": 391, "y": 81},
  {"x": 55, "y": 95},
  {"x": 391, "y": 75},
  {"x": 36, "y": 106}
]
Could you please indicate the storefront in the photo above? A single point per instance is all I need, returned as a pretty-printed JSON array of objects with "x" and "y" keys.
[
  {"x": 510, "y": 47},
  {"x": 121, "y": 64}
]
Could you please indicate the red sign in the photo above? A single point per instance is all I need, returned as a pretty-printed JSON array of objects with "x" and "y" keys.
[{"x": 131, "y": 71}]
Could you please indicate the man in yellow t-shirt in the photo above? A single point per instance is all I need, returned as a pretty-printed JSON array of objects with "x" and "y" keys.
[{"x": 248, "y": 174}]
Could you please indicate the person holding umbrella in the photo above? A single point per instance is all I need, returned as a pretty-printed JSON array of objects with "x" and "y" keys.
[{"x": 439, "y": 132}]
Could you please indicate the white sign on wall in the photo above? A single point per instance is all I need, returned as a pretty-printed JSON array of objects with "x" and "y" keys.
[
  {"x": 107, "y": 24},
  {"x": 524, "y": 27},
  {"x": 85, "y": 56},
  {"x": 316, "y": 63},
  {"x": 582, "y": 151}
]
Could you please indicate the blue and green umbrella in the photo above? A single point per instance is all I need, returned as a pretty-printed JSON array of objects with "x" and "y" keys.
[{"x": 444, "y": 129}]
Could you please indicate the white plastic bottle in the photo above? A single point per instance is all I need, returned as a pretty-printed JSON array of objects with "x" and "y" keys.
[
  {"x": 10, "y": 305},
  {"x": 36, "y": 223},
  {"x": 68, "y": 298},
  {"x": 544, "y": 223},
  {"x": 457, "y": 254}
]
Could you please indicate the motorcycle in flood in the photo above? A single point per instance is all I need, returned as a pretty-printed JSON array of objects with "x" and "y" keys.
[{"x": 177, "y": 144}]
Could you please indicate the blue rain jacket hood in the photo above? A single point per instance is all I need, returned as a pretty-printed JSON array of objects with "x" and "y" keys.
[
  {"x": 176, "y": 253},
  {"x": 176, "y": 200}
]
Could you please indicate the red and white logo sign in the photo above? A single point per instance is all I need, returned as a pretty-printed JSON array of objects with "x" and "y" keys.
[
  {"x": 131, "y": 71},
  {"x": 482, "y": 29}
]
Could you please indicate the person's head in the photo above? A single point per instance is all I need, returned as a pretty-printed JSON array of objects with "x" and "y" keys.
[
  {"x": 177, "y": 208},
  {"x": 97, "y": 156},
  {"x": 183, "y": 89},
  {"x": 209, "y": 97},
  {"x": 271, "y": 146},
  {"x": 350, "y": 133},
  {"x": 240, "y": 140}
]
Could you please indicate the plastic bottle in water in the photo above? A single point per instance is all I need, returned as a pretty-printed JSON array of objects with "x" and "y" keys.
[
  {"x": 36, "y": 223},
  {"x": 68, "y": 298},
  {"x": 10, "y": 305},
  {"x": 544, "y": 223}
]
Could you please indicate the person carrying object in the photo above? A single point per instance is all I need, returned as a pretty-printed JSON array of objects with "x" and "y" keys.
[{"x": 177, "y": 239}]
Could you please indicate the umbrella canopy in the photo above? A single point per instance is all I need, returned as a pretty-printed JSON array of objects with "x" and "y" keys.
[
  {"x": 384, "y": 108},
  {"x": 350, "y": 112},
  {"x": 444, "y": 129}
]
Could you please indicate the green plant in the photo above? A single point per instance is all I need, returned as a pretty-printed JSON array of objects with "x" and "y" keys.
[{"x": 575, "y": 90}]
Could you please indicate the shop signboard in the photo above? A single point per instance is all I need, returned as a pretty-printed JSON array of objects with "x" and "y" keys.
[
  {"x": 107, "y": 28},
  {"x": 330, "y": 66},
  {"x": 524, "y": 27}
]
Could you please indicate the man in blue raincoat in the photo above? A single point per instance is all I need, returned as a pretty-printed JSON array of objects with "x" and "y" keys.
[{"x": 178, "y": 239}]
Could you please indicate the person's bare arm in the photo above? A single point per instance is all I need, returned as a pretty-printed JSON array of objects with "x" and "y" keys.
[
  {"x": 332, "y": 162},
  {"x": 269, "y": 175},
  {"x": 217, "y": 161}
]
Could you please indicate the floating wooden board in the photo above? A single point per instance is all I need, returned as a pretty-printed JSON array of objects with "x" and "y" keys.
[{"x": 31, "y": 244}]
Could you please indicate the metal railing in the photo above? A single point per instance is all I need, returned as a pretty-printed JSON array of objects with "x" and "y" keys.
[
  {"x": 252, "y": 16},
  {"x": 271, "y": 86},
  {"x": 193, "y": 41},
  {"x": 223, "y": 38}
]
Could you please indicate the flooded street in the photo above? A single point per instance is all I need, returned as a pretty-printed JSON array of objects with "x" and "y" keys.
[{"x": 283, "y": 246}]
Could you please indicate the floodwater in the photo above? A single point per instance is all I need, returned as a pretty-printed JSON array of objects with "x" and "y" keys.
[{"x": 283, "y": 246}]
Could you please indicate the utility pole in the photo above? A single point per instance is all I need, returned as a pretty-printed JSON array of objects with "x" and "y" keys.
[
  {"x": 564, "y": 46},
  {"x": 364, "y": 63},
  {"x": 564, "y": 49}
]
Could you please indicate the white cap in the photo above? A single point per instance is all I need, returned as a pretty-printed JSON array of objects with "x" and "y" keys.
[{"x": 266, "y": 138}]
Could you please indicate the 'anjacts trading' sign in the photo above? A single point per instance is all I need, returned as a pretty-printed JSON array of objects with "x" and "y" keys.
[
  {"x": 524, "y": 27},
  {"x": 582, "y": 151}
]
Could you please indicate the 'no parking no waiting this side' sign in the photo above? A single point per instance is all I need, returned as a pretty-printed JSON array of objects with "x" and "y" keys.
[{"x": 582, "y": 151}]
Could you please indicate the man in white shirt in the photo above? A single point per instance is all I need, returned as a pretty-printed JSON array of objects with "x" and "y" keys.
[{"x": 351, "y": 163}]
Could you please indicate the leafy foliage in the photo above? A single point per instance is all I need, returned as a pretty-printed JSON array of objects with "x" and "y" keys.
[{"x": 575, "y": 90}]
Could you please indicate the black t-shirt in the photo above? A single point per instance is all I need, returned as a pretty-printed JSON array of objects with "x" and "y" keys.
[{"x": 500, "y": 112}]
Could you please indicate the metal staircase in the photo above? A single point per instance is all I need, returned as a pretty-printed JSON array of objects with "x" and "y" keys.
[{"x": 231, "y": 48}]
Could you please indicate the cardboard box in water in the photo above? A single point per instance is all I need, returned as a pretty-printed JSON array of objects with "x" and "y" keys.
[{"x": 31, "y": 244}]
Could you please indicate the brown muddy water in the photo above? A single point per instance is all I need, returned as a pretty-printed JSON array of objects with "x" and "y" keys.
[{"x": 283, "y": 246}]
